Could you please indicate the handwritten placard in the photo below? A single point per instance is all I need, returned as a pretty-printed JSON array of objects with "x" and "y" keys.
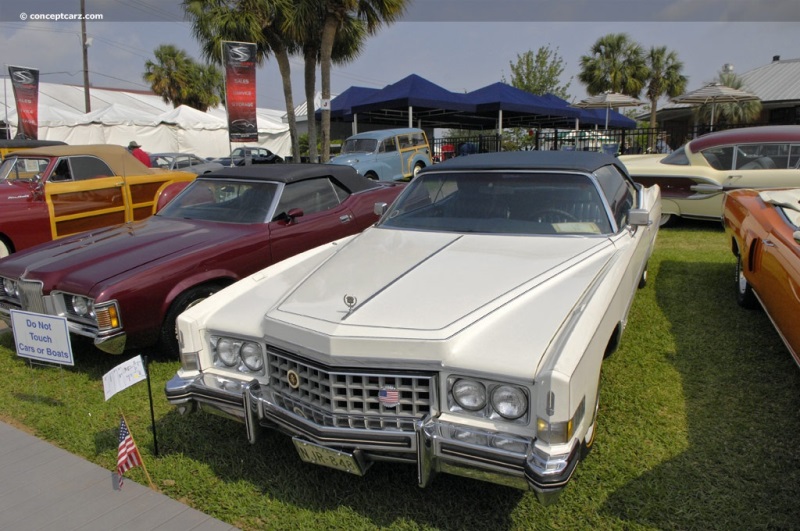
[{"x": 123, "y": 376}]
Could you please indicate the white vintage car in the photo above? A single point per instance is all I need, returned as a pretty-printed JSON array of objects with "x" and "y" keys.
[{"x": 464, "y": 333}]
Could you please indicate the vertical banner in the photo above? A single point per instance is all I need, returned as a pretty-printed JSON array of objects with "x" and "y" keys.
[
  {"x": 25, "y": 82},
  {"x": 240, "y": 90}
]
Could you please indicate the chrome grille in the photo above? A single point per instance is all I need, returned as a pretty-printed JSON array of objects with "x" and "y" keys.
[
  {"x": 30, "y": 294},
  {"x": 349, "y": 399}
]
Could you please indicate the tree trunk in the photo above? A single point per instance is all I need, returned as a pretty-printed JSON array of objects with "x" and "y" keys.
[
  {"x": 286, "y": 75},
  {"x": 326, "y": 50},
  {"x": 311, "y": 87}
]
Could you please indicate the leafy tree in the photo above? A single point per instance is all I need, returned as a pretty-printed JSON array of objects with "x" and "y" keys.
[
  {"x": 615, "y": 63},
  {"x": 373, "y": 14},
  {"x": 540, "y": 73},
  {"x": 180, "y": 80},
  {"x": 258, "y": 21}
]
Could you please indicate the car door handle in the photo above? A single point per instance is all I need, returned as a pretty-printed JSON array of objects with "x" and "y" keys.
[
  {"x": 767, "y": 243},
  {"x": 345, "y": 218}
]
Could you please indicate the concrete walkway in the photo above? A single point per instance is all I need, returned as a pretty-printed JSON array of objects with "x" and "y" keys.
[{"x": 43, "y": 487}]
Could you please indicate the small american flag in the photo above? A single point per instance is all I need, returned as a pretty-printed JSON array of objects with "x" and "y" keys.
[
  {"x": 389, "y": 396},
  {"x": 128, "y": 455}
]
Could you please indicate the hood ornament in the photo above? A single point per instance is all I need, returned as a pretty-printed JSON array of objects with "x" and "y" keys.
[{"x": 350, "y": 301}]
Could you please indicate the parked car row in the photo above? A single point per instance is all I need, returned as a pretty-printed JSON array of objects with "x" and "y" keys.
[{"x": 458, "y": 323}]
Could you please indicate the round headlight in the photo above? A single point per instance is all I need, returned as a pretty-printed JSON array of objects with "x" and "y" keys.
[
  {"x": 469, "y": 394},
  {"x": 227, "y": 351},
  {"x": 510, "y": 402},
  {"x": 81, "y": 306},
  {"x": 251, "y": 356},
  {"x": 10, "y": 287}
]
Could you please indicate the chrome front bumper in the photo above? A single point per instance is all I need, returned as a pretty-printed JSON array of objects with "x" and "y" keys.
[{"x": 431, "y": 445}]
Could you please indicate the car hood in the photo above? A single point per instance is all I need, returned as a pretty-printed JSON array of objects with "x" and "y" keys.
[
  {"x": 349, "y": 158},
  {"x": 633, "y": 162},
  {"x": 438, "y": 298},
  {"x": 78, "y": 263}
]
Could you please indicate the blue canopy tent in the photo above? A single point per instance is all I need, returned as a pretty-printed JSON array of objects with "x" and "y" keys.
[
  {"x": 515, "y": 107},
  {"x": 341, "y": 105},
  {"x": 413, "y": 98}
]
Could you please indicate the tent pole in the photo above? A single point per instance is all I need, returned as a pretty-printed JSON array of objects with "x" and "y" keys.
[{"x": 410, "y": 116}]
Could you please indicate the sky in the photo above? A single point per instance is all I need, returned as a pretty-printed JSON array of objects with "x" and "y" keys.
[{"x": 461, "y": 45}]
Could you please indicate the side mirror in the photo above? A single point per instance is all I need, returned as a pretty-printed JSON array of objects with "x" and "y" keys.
[
  {"x": 639, "y": 217},
  {"x": 380, "y": 209}
]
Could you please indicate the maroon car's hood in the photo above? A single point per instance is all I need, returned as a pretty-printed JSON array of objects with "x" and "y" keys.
[{"x": 86, "y": 259}]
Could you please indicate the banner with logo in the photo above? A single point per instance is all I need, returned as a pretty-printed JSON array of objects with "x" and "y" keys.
[
  {"x": 25, "y": 82},
  {"x": 239, "y": 59}
]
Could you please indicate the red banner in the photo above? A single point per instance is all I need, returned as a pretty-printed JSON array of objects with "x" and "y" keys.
[
  {"x": 240, "y": 90},
  {"x": 25, "y": 82}
]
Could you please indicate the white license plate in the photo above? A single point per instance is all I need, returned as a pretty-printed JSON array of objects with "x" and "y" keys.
[{"x": 320, "y": 455}]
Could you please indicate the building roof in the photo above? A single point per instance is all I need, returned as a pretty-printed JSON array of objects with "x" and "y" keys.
[{"x": 776, "y": 81}]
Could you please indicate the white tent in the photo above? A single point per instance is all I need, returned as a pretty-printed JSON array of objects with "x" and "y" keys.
[{"x": 121, "y": 116}]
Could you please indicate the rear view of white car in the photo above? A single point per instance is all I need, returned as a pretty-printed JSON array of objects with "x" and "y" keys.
[{"x": 464, "y": 334}]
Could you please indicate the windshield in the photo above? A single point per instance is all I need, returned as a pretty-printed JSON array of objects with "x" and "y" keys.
[
  {"x": 224, "y": 201},
  {"x": 359, "y": 145},
  {"x": 22, "y": 169},
  {"x": 501, "y": 203}
]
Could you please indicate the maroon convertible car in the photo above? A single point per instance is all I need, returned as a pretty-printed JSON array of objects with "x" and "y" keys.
[{"x": 124, "y": 286}]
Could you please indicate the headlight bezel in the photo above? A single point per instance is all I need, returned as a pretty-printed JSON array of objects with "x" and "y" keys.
[
  {"x": 246, "y": 356},
  {"x": 81, "y": 308},
  {"x": 489, "y": 409},
  {"x": 10, "y": 288}
]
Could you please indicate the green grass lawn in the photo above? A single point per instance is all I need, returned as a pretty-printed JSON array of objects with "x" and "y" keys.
[{"x": 698, "y": 418}]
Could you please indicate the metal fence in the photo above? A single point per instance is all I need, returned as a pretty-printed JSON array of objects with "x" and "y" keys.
[{"x": 613, "y": 141}]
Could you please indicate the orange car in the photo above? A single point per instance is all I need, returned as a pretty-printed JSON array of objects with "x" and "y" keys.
[{"x": 764, "y": 228}]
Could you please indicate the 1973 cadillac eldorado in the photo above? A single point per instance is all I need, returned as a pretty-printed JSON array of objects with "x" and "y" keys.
[{"x": 463, "y": 334}]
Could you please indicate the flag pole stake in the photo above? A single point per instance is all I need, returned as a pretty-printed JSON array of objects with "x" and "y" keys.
[
  {"x": 147, "y": 475},
  {"x": 152, "y": 413}
]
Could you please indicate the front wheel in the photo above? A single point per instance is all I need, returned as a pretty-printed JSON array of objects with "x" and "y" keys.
[
  {"x": 666, "y": 220},
  {"x": 744, "y": 292},
  {"x": 4, "y": 250},
  {"x": 168, "y": 341},
  {"x": 417, "y": 167}
]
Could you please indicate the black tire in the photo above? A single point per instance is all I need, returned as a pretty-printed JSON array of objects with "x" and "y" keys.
[
  {"x": 744, "y": 291},
  {"x": 666, "y": 220},
  {"x": 371, "y": 175},
  {"x": 168, "y": 340},
  {"x": 417, "y": 167},
  {"x": 643, "y": 278}
]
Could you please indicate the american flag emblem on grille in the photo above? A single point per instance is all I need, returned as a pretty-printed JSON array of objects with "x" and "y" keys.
[{"x": 389, "y": 396}]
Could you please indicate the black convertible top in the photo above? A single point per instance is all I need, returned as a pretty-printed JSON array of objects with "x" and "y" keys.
[
  {"x": 586, "y": 161},
  {"x": 288, "y": 173}
]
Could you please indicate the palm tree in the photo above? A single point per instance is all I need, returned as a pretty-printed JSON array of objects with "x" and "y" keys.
[
  {"x": 257, "y": 21},
  {"x": 664, "y": 77},
  {"x": 304, "y": 24},
  {"x": 615, "y": 64},
  {"x": 373, "y": 14},
  {"x": 169, "y": 75}
]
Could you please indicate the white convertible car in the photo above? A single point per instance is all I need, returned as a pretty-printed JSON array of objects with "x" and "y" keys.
[{"x": 464, "y": 333}]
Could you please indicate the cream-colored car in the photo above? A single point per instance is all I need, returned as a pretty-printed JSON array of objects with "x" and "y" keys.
[
  {"x": 463, "y": 334},
  {"x": 694, "y": 178}
]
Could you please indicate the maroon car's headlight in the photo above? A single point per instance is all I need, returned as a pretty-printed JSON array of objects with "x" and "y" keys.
[
  {"x": 10, "y": 288},
  {"x": 80, "y": 308}
]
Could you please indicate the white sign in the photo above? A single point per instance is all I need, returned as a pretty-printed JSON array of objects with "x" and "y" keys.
[
  {"x": 42, "y": 337},
  {"x": 123, "y": 376},
  {"x": 325, "y": 105}
]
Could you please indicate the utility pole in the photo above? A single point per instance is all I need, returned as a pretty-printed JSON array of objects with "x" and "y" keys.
[{"x": 85, "y": 50}]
